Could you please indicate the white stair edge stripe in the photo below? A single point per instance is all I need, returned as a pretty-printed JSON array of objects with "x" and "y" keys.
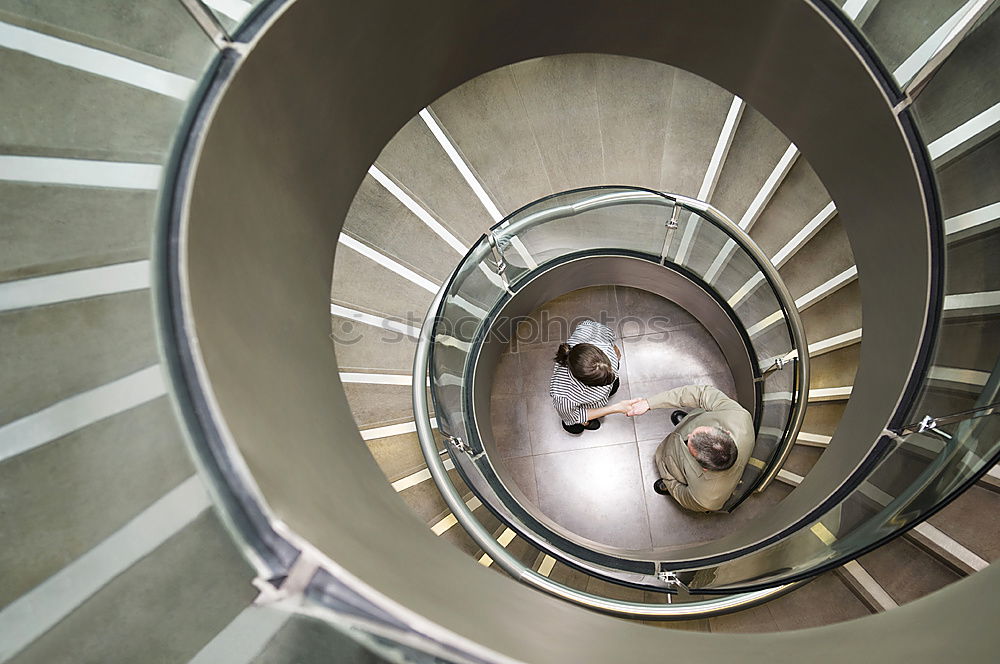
[
  {"x": 830, "y": 393},
  {"x": 966, "y": 131},
  {"x": 949, "y": 548},
  {"x": 960, "y": 301},
  {"x": 930, "y": 537},
  {"x": 418, "y": 210},
  {"x": 972, "y": 219},
  {"x": 788, "y": 477},
  {"x": 376, "y": 378},
  {"x": 757, "y": 206},
  {"x": 770, "y": 187},
  {"x": 459, "y": 162},
  {"x": 506, "y": 537},
  {"x": 720, "y": 260},
  {"x": 75, "y": 285},
  {"x": 777, "y": 396},
  {"x": 80, "y": 410},
  {"x": 767, "y": 322},
  {"x": 445, "y": 523},
  {"x": 470, "y": 179},
  {"x": 95, "y": 61},
  {"x": 374, "y": 321},
  {"x": 957, "y": 375},
  {"x": 712, "y": 173},
  {"x": 940, "y": 541},
  {"x": 870, "y": 586},
  {"x": 813, "y": 439},
  {"x": 835, "y": 343},
  {"x": 809, "y": 299},
  {"x": 388, "y": 263},
  {"x": 393, "y": 430},
  {"x": 746, "y": 289},
  {"x": 418, "y": 477},
  {"x": 806, "y": 233},
  {"x": 853, "y": 8},
  {"x": 923, "y": 53},
  {"x": 244, "y": 638},
  {"x": 827, "y": 288},
  {"x": 80, "y": 172},
  {"x": 548, "y": 562},
  {"x": 234, "y": 9},
  {"x": 37, "y": 611}
]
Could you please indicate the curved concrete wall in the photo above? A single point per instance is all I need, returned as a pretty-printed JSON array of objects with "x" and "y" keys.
[{"x": 311, "y": 108}]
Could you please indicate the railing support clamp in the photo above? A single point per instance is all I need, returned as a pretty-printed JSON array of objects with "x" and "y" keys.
[
  {"x": 929, "y": 425},
  {"x": 499, "y": 262},
  {"x": 670, "y": 578}
]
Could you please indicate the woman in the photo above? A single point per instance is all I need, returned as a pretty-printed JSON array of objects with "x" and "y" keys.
[{"x": 585, "y": 377}]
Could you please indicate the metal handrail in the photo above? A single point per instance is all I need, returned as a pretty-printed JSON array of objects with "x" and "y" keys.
[{"x": 510, "y": 564}]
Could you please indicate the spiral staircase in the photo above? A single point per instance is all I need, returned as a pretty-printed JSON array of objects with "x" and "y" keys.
[{"x": 113, "y": 550}]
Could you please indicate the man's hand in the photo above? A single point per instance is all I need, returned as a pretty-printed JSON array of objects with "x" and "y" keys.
[
  {"x": 637, "y": 407},
  {"x": 625, "y": 406}
]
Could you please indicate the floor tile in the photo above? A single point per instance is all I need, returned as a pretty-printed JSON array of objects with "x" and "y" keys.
[
  {"x": 548, "y": 435},
  {"x": 507, "y": 379},
  {"x": 595, "y": 493},
  {"x": 688, "y": 351},
  {"x": 509, "y": 418},
  {"x": 522, "y": 471},
  {"x": 642, "y": 312}
]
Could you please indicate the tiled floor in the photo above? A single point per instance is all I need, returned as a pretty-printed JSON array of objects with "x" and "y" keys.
[{"x": 599, "y": 484}]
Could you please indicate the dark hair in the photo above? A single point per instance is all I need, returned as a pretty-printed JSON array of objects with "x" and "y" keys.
[
  {"x": 587, "y": 363},
  {"x": 714, "y": 449}
]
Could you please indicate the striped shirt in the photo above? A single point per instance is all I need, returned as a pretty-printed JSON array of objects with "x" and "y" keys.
[{"x": 571, "y": 397}]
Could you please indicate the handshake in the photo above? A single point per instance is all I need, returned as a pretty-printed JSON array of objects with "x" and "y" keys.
[{"x": 631, "y": 407}]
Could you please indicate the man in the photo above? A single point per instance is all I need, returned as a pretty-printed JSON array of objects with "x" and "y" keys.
[{"x": 702, "y": 460}]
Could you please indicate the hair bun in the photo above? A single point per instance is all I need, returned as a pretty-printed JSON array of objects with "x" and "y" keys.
[{"x": 562, "y": 353}]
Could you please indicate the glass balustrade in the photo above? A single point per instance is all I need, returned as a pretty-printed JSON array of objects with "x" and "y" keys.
[{"x": 617, "y": 221}]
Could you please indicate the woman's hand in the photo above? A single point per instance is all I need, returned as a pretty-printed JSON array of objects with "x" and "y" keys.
[{"x": 625, "y": 406}]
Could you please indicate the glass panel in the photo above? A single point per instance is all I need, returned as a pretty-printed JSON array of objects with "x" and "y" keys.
[
  {"x": 582, "y": 220},
  {"x": 603, "y": 218}
]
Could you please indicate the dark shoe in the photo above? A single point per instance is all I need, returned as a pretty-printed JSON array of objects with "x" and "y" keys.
[
  {"x": 677, "y": 416},
  {"x": 592, "y": 425},
  {"x": 614, "y": 387},
  {"x": 575, "y": 429},
  {"x": 660, "y": 487}
]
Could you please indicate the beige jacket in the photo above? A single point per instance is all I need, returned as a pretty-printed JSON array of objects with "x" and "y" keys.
[{"x": 692, "y": 486}]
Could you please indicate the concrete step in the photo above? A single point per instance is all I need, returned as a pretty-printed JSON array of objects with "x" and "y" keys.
[
  {"x": 799, "y": 199},
  {"x": 964, "y": 87},
  {"x": 416, "y": 161},
  {"x": 513, "y": 111},
  {"x": 107, "y": 473},
  {"x": 50, "y": 229},
  {"x": 112, "y": 119},
  {"x": 896, "y": 30},
  {"x": 757, "y": 148},
  {"x": 835, "y": 369},
  {"x": 70, "y": 347},
  {"x": 362, "y": 284},
  {"x": 381, "y": 221},
  {"x": 160, "y": 35}
]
